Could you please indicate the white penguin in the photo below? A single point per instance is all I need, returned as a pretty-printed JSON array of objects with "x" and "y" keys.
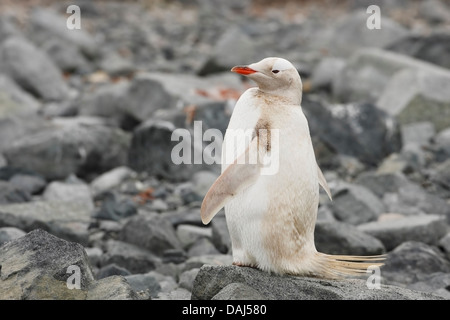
[{"x": 271, "y": 211}]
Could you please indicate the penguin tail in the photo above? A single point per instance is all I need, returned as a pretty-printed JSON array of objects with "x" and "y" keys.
[{"x": 341, "y": 266}]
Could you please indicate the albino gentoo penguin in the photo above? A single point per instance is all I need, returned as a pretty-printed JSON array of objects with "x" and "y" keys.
[{"x": 271, "y": 214}]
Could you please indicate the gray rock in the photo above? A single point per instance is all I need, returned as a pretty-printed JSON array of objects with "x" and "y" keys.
[
  {"x": 66, "y": 56},
  {"x": 68, "y": 192},
  {"x": 176, "y": 294},
  {"x": 144, "y": 283},
  {"x": 381, "y": 183},
  {"x": 11, "y": 194},
  {"x": 46, "y": 24},
  {"x": 413, "y": 196},
  {"x": 441, "y": 175},
  {"x": 129, "y": 256},
  {"x": 39, "y": 75},
  {"x": 344, "y": 239},
  {"x": 202, "y": 181},
  {"x": 153, "y": 233},
  {"x": 94, "y": 255},
  {"x": 187, "y": 278},
  {"x": 418, "y": 133},
  {"x": 202, "y": 246},
  {"x": 184, "y": 215},
  {"x": 70, "y": 146},
  {"x": 238, "y": 291},
  {"x": 412, "y": 262},
  {"x": 220, "y": 235},
  {"x": 232, "y": 48},
  {"x": 145, "y": 95},
  {"x": 357, "y": 129},
  {"x": 10, "y": 233},
  {"x": 111, "y": 179},
  {"x": 32, "y": 184},
  {"x": 407, "y": 92},
  {"x": 68, "y": 220},
  {"x": 433, "y": 47},
  {"x": 356, "y": 204},
  {"x": 442, "y": 141},
  {"x": 152, "y": 147},
  {"x": 116, "y": 207},
  {"x": 350, "y": 33},
  {"x": 368, "y": 71},
  {"x": 188, "y": 234},
  {"x": 111, "y": 288},
  {"x": 111, "y": 270},
  {"x": 444, "y": 243},
  {"x": 427, "y": 229},
  {"x": 212, "y": 279},
  {"x": 324, "y": 73},
  {"x": 434, "y": 11},
  {"x": 15, "y": 101},
  {"x": 212, "y": 259},
  {"x": 108, "y": 100},
  {"x": 436, "y": 283},
  {"x": 36, "y": 266}
]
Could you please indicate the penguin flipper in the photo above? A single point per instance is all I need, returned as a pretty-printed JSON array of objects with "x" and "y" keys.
[
  {"x": 323, "y": 183},
  {"x": 236, "y": 177}
]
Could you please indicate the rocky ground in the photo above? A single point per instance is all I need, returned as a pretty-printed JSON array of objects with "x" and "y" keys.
[{"x": 87, "y": 116}]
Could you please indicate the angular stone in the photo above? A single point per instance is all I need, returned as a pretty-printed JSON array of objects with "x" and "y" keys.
[
  {"x": 154, "y": 146},
  {"x": 36, "y": 266},
  {"x": 68, "y": 192},
  {"x": 426, "y": 228},
  {"x": 70, "y": 146},
  {"x": 238, "y": 291},
  {"x": 110, "y": 179},
  {"x": 153, "y": 233},
  {"x": 10, "y": 233},
  {"x": 344, "y": 239},
  {"x": 111, "y": 288},
  {"x": 410, "y": 90},
  {"x": 360, "y": 130},
  {"x": 67, "y": 220},
  {"x": 413, "y": 261},
  {"x": 129, "y": 256},
  {"x": 368, "y": 71},
  {"x": 39, "y": 75},
  {"x": 356, "y": 204}
]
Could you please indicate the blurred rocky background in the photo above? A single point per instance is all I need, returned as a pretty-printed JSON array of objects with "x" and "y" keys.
[{"x": 87, "y": 116}]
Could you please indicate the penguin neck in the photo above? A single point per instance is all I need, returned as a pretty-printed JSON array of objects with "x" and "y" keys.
[{"x": 286, "y": 97}]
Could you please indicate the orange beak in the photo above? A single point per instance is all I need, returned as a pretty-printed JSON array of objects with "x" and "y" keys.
[{"x": 243, "y": 70}]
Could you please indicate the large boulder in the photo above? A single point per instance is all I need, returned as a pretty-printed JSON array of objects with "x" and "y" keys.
[
  {"x": 38, "y": 75},
  {"x": 41, "y": 266},
  {"x": 212, "y": 282},
  {"x": 368, "y": 71},
  {"x": 68, "y": 220},
  {"x": 434, "y": 47},
  {"x": 414, "y": 95},
  {"x": 425, "y": 228},
  {"x": 360, "y": 130},
  {"x": 70, "y": 146}
]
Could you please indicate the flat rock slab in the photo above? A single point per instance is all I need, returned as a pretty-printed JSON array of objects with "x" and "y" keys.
[{"x": 211, "y": 280}]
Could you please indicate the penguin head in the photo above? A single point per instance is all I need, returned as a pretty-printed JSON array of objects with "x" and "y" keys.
[{"x": 274, "y": 76}]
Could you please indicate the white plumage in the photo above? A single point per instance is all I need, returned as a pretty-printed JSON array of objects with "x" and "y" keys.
[{"x": 271, "y": 209}]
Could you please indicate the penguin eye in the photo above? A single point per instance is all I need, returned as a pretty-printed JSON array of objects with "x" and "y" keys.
[{"x": 275, "y": 71}]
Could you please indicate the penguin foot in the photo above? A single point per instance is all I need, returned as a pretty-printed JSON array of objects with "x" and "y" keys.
[{"x": 240, "y": 264}]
